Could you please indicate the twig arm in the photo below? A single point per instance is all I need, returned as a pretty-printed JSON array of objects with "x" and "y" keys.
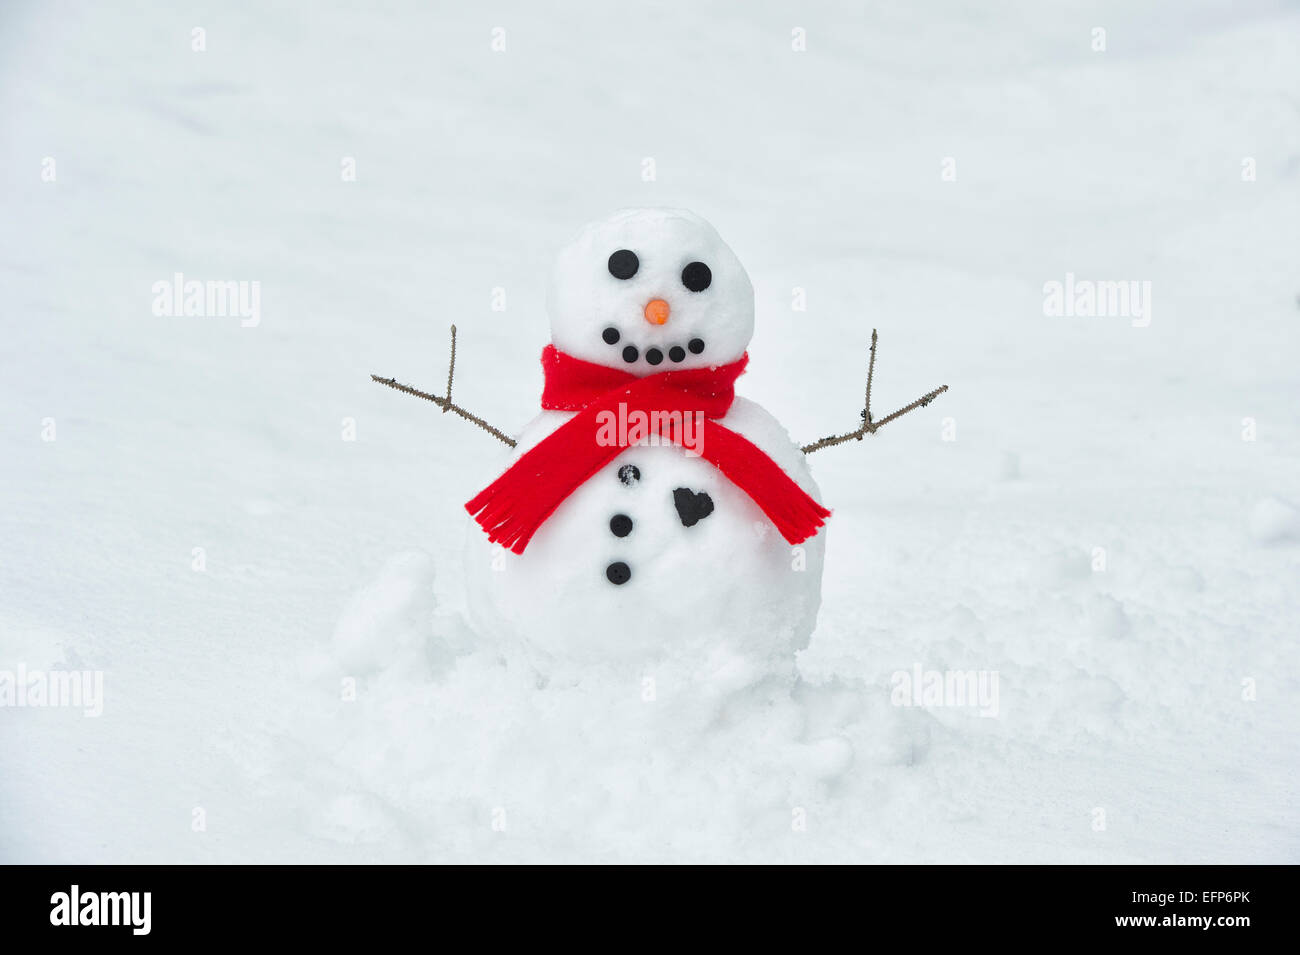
[
  {"x": 869, "y": 424},
  {"x": 445, "y": 403}
]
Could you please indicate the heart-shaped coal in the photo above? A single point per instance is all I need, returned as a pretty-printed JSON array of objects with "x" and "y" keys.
[{"x": 692, "y": 506}]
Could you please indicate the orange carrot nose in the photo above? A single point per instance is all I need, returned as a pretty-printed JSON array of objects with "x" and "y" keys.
[{"x": 656, "y": 311}]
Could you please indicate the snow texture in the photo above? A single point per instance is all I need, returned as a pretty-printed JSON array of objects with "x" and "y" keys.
[{"x": 262, "y": 550}]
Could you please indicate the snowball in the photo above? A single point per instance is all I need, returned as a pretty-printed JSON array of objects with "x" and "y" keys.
[
  {"x": 585, "y": 299},
  {"x": 729, "y": 583},
  {"x": 392, "y": 617}
]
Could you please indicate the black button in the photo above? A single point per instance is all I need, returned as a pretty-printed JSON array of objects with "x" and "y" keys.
[
  {"x": 677, "y": 353},
  {"x": 620, "y": 525},
  {"x": 629, "y": 354},
  {"x": 618, "y": 573},
  {"x": 610, "y": 335},
  {"x": 696, "y": 345},
  {"x": 654, "y": 356},
  {"x": 629, "y": 474}
]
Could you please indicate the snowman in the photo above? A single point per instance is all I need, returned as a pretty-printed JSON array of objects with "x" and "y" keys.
[{"x": 649, "y": 516}]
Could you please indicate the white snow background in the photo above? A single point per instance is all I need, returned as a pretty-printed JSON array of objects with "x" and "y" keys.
[{"x": 1126, "y": 731}]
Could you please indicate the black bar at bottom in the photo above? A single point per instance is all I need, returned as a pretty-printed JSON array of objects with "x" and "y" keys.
[{"x": 1230, "y": 904}]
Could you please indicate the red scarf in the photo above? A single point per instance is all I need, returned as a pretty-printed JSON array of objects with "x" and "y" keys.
[{"x": 516, "y": 504}]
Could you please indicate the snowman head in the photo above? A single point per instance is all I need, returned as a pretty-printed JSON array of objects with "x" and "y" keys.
[{"x": 650, "y": 290}]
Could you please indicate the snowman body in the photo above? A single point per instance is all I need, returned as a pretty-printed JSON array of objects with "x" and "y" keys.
[{"x": 657, "y": 558}]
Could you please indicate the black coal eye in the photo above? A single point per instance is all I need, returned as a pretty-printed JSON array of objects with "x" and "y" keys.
[
  {"x": 623, "y": 264},
  {"x": 697, "y": 276}
]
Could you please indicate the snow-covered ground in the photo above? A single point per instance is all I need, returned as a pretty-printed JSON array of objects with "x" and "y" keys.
[{"x": 1088, "y": 513}]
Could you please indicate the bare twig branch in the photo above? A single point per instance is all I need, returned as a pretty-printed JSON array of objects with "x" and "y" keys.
[
  {"x": 445, "y": 403},
  {"x": 871, "y": 373},
  {"x": 451, "y": 366},
  {"x": 869, "y": 424}
]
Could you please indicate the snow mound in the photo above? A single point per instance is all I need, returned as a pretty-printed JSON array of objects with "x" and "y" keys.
[
  {"x": 1273, "y": 522},
  {"x": 390, "y": 620},
  {"x": 496, "y": 759}
]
